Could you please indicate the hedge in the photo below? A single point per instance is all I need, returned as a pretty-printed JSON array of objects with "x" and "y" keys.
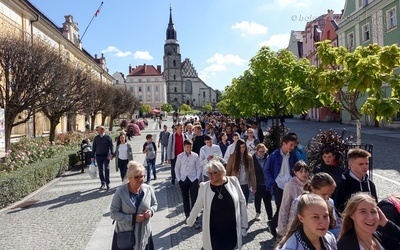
[{"x": 23, "y": 181}]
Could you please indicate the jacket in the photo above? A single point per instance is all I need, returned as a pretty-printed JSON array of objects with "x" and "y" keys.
[
  {"x": 171, "y": 146},
  {"x": 250, "y": 174},
  {"x": 130, "y": 156},
  {"x": 258, "y": 170},
  {"x": 203, "y": 202},
  {"x": 389, "y": 238},
  {"x": 122, "y": 210},
  {"x": 293, "y": 244},
  {"x": 292, "y": 190},
  {"x": 272, "y": 167},
  {"x": 348, "y": 186}
]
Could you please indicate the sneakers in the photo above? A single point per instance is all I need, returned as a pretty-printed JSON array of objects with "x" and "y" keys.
[
  {"x": 244, "y": 232},
  {"x": 271, "y": 229},
  {"x": 196, "y": 224},
  {"x": 257, "y": 218},
  {"x": 102, "y": 186}
]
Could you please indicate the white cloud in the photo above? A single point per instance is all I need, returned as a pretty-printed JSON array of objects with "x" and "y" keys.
[
  {"x": 278, "y": 41},
  {"x": 218, "y": 58},
  {"x": 142, "y": 55},
  {"x": 114, "y": 51},
  {"x": 248, "y": 28},
  {"x": 215, "y": 68}
]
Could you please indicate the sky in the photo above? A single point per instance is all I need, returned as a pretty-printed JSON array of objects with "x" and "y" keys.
[{"x": 218, "y": 36}]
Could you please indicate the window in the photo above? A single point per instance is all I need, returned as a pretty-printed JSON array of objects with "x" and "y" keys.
[
  {"x": 175, "y": 90},
  {"x": 204, "y": 94},
  {"x": 140, "y": 89},
  {"x": 117, "y": 81},
  {"x": 365, "y": 30},
  {"x": 131, "y": 89},
  {"x": 174, "y": 63},
  {"x": 140, "y": 80},
  {"x": 350, "y": 41},
  {"x": 156, "y": 88},
  {"x": 391, "y": 18},
  {"x": 174, "y": 77},
  {"x": 148, "y": 88},
  {"x": 157, "y": 99},
  {"x": 140, "y": 98}
]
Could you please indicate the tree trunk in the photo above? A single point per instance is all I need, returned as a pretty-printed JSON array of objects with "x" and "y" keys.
[
  {"x": 92, "y": 120},
  {"x": 358, "y": 128},
  {"x": 53, "y": 124},
  {"x": 103, "y": 119},
  {"x": 111, "y": 127}
]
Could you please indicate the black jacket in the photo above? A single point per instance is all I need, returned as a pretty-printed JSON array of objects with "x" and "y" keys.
[
  {"x": 198, "y": 142},
  {"x": 389, "y": 238},
  {"x": 259, "y": 170},
  {"x": 348, "y": 186}
]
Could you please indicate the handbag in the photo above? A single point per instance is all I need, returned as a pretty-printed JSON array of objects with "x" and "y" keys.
[
  {"x": 126, "y": 240},
  {"x": 93, "y": 170}
]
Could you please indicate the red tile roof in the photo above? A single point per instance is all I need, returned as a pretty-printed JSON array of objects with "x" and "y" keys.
[{"x": 144, "y": 70}]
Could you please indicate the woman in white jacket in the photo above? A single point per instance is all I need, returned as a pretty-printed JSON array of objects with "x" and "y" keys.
[{"x": 224, "y": 209}]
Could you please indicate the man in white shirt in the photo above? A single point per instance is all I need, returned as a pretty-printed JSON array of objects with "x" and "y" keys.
[
  {"x": 188, "y": 174},
  {"x": 209, "y": 152},
  {"x": 231, "y": 148}
]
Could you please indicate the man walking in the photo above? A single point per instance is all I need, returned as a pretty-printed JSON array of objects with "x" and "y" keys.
[
  {"x": 175, "y": 147},
  {"x": 188, "y": 174},
  {"x": 103, "y": 153},
  {"x": 164, "y": 136},
  {"x": 208, "y": 153}
]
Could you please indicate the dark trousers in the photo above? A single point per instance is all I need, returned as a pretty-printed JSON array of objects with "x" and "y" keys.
[
  {"x": 263, "y": 195},
  {"x": 246, "y": 192},
  {"x": 173, "y": 162},
  {"x": 123, "y": 166},
  {"x": 278, "y": 193},
  {"x": 103, "y": 163},
  {"x": 189, "y": 192}
]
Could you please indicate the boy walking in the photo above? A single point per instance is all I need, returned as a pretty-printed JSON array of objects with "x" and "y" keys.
[
  {"x": 150, "y": 149},
  {"x": 188, "y": 174},
  {"x": 355, "y": 179},
  {"x": 164, "y": 136}
]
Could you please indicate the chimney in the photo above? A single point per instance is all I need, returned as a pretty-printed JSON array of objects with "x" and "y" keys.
[
  {"x": 130, "y": 69},
  {"x": 144, "y": 68},
  {"x": 95, "y": 56},
  {"x": 159, "y": 68}
]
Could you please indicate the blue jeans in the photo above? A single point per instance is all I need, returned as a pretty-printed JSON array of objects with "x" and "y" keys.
[
  {"x": 163, "y": 153},
  {"x": 151, "y": 165}
]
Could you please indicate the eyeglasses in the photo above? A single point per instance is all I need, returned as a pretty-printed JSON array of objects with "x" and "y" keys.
[
  {"x": 261, "y": 151},
  {"x": 139, "y": 177},
  {"x": 212, "y": 173}
]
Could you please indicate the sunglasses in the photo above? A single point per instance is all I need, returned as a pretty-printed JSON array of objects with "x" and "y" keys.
[
  {"x": 139, "y": 177},
  {"x": 212, "y": 173}
]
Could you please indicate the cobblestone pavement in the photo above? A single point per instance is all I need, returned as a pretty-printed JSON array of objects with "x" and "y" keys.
[{"x": 72, "y": 213}]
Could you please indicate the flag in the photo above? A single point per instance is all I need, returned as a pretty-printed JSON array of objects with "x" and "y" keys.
[{"x": 97, "y": 12}]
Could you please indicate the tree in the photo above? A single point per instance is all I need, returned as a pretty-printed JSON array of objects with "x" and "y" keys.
[
  {"x": 145, "y": 108},
  {"x": 166, "y": 107},
  {"x": 264, "y": 89},
  {"x": 26, "y": 70},
  {"x": 185, "y": 107},
  {"x": 357, "y": 79},
  {"x": 208, "y": 107},
  {"x": 69, "y": 85},
  {"x": 219, "y": 95}
]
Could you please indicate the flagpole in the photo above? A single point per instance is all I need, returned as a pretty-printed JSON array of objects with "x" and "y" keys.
[{"x": 95, "y": 14}]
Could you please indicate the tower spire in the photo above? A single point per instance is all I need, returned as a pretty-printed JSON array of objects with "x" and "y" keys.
[{"x": 171, "y": 31}]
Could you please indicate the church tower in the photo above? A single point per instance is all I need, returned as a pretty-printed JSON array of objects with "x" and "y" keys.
[{"x": 172, "y": 66}]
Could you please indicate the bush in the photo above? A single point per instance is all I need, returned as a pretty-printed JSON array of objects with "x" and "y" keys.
[{"x": 21, "y": 182}]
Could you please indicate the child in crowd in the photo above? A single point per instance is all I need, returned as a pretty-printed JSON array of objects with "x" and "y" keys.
[
  {"x": 309, "y": 229},
  {"x": 321, "y": 184},
  {"x": 330, "y": 165},
  {"x": 150, "y": 149},
  {"x": 292, "y": 190},
  {"x": 361, "y": 219}
]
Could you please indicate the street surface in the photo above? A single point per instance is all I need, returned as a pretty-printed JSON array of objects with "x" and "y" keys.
[{"x": 72, "y": 213}]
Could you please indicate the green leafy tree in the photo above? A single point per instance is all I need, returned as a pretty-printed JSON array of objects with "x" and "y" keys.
[
  {"x": 208, "y": 107},
  {"x": 357, "y": 80},
  {"x": 166, "y": 107},
  {"x": 185, "y": 108},
  {"x": 145, "y": 108}
]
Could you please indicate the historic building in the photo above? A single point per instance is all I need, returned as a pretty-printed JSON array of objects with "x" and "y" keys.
[
  {"x": 22, "y": 19},
  {"x": 182, "y": 81}
]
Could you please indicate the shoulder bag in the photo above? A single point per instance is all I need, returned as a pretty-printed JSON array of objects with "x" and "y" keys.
[{"x": 126, "y": 240}]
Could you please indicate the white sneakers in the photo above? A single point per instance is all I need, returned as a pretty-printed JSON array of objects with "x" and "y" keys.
[
  {"x": 257, "y": 218},
  {"x": 244, "y": 232}
]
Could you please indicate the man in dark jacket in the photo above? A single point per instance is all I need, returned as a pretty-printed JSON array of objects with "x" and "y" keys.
[
  {"x": 103, "y": 153},
  {"x": 198, "y": 139},
  {"x": 355, "y": 179}
]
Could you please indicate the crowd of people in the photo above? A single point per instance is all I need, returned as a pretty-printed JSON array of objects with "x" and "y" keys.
[{"x": 218, "y": 163}]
